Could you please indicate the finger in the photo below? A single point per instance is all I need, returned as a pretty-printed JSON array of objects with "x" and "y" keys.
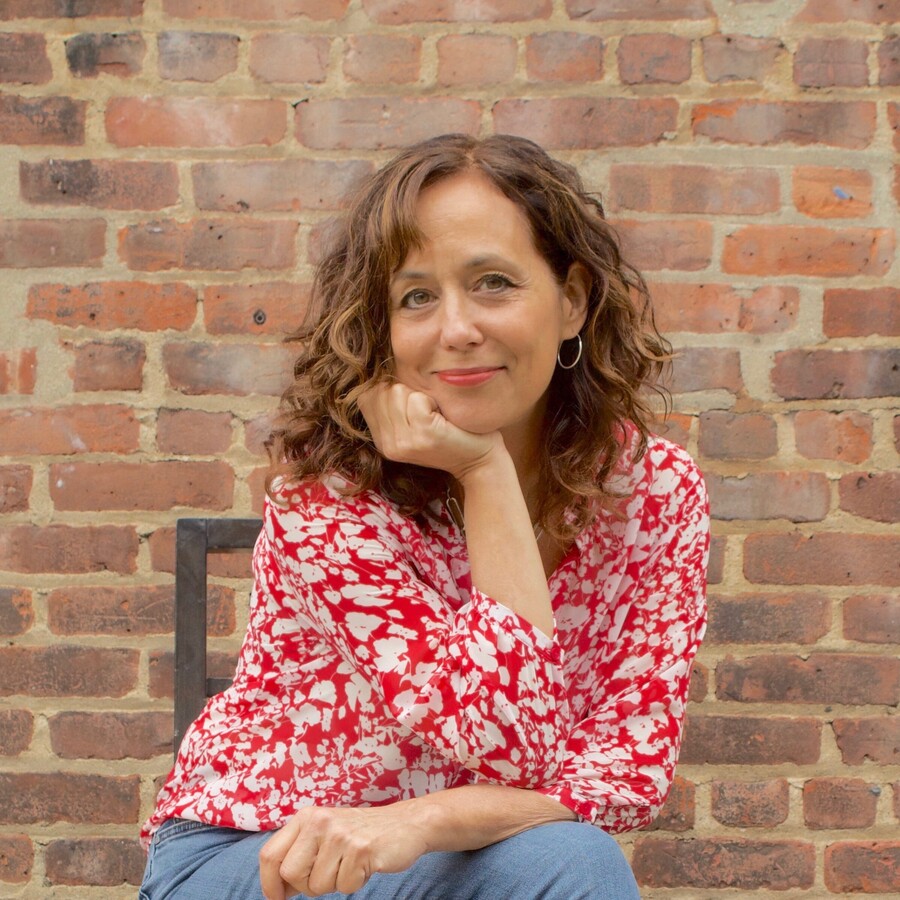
[
  {"x": 271, "y": 856},
  {"x": 420, "y": 407},
  {"x": 352, "y": 875},
  {"x": 323, "y": 875}
]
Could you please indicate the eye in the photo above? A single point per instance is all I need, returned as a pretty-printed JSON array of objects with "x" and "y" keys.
[
  {"x": 415, "y": 299},
  {"x": 494, "y": 281}
]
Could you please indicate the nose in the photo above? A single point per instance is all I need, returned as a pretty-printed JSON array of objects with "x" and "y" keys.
[{"x": 459, "y": 326}]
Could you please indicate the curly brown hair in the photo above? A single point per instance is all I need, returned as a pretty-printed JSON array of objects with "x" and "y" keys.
[{"x": 345, "y": 340}]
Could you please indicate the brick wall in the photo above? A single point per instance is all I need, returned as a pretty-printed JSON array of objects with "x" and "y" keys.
[{"x": 169, "y": 167}]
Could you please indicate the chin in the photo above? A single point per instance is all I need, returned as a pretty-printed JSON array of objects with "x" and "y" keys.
[{"x": 473, "y": 421}]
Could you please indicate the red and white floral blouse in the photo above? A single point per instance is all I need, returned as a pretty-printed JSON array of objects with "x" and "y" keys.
[{"x": 373, "y": 671}]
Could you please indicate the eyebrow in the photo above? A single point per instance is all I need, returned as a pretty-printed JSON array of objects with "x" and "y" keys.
[{"x": 477, "y": 262}]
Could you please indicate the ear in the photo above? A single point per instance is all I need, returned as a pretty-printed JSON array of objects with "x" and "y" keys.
[{"x": 575, "y": 291}]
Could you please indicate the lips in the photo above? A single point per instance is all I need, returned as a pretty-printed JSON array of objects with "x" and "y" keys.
[{"x": 468, "y": 377}]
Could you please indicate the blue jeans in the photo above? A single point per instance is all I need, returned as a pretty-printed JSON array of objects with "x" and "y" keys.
[{"x": 561, "y": 861}]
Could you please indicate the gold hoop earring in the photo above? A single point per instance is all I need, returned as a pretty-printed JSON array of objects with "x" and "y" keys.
[{"x": 575, "y": 361}]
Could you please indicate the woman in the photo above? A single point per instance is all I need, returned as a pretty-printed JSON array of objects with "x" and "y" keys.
[{"x": 479, "y": 585}]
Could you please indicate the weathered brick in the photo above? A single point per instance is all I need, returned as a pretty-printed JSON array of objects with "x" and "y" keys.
[
  {"x": 95, "y": 861},
  {"x": 162, "y": 668},
  {"x": 675, "y": 244},
  {"x": 795, "y": 496},
  {"x": 287, "y": 58},
  {"x": 739, "y": 57},
  {"x": 194, "y": 122},
  {"x": 894, "y": 120},
  {"x": 852, "y": 312},
  {"x": 378, "y": 123},
  {"x": 657, "y": 58},
  {"x": 287, "y": 185},
  {"x": 875, "y": 11},
  {"x": 108, "y": 365},
  {"x": 831, "y": 62},
  {"x": 219, "y": 563},
  {"x": 677, "y": 813},
  {"x": 109, "y": 305},
  {"x": 63, "y": 670},
  {"x": 383, "y": 58},
  {"x": 722, "y": 863},
  {"x": 148, "y": 609},
  {"x": 16, "y": 611},
  {"x": 16, "y": 850},
  {"x": 836, "y": 374},
  {"x": 120, "y": 54},
  {"x": 403, "y": 12},
  {"x": 759, "y": 804},
  {"x": 257, "y": 431},
  {"x": 99, "y": 735},
  {"x": 208, "y": 244},
  {"x": 67, "y": 549},
  {"x": 851, "y": 678},
  {"x": 38, "y": 798},
  {"x": 676, "y": 428},
  {"x": 564, "y": 56},
  {"x": 195, "y": 368},
  {"x": 261, "y": 10},
  {"x": 750, "y": 741},
  {"x": 837, "y": 123},
  {"x": 601, "y": 10},
  {"x": 15, "y": 488},
  {"x": 889, "y": 61},
  {"x": 41, "y": 120},
  {"x": 107, "y": 184},
  {"x": 586, "y": 123},
  {"x": 711, "y": 190},
  {"x": 65, "y": 430},
  {"x": 699, "y": 686},
  {"x": 839, "y": 803},
  {"x": 844, "y": 436},
  {"x": 35, "y": 243},
  {"x": 871, "y": 867},
  {"x": 196, "y": 55},
  {"x": 871, "y": 738},
  {"x": 193, "y": 431},
  {"x": 725, "y": 435},
  {"x": 18, "y": 371},
  {"x": 53, "y": 9},
  {"x": 871, "y": 495},
  {"x": 475, "y": 59},
  {"x": 23, "y": 59},
  {"x": 16, "y": 730},
  {"x": 706, "y": 369},
  {"x": 268, "y": 308},
  {"x": 715, "y": 571},
  {"x": 824, "y": 192},
  {"x": 795, "y": 618},
  {"x": 872, "y": 619}
]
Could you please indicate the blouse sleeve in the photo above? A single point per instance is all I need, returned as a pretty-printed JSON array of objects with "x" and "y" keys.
[
  {"x": 477, "y": 682},
  {"x": 620, "y": 759}
]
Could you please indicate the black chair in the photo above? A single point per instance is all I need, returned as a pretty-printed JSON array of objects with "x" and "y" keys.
[{"x": 194, "y": 539}]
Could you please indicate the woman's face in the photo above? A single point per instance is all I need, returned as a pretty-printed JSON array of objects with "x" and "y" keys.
[{"x": 476, "y": 314}]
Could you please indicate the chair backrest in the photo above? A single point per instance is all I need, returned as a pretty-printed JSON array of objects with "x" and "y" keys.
[{"x": 194, "y": 539}]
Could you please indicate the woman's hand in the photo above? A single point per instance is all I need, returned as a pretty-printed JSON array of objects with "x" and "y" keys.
[
  {"x": 322, "y": 850},
  {"x": 407, "y": 426}
]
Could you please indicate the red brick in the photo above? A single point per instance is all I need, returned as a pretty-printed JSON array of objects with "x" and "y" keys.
[
  {"x": 51, "y": 9},
  {"x": 720, "y": 863},
  {"x": 823, "y": 192},
  {"x": 585, "y": 123},
  {"x": 108, "y": 365},
  {"x": 194, "y": 122},
  {"x": 256, "y": 481},
  {"x": 68, "y": 549},
  {"x": 219, "y": 563},
  {"x": 32, "y": 243},
  {"x": 16, "y": 731},
  {"x": 872, "y": 867},
  {"x": 654, "y": 245},
  {"x": 18, "y": 371},
  {"x": 196, "y": 55},
  {"x": 120, "y": 54},
  {"x": 95, "y": 861},
  {"x": 889, "y": 61},
  {"x": 288, "y": 58},
  {"x": 564, "y": 56},
  {"x": 403, "y": 12},
  {"x": 677, "y": 813},
  {"x": 257, "y": 431},
  {"x": 836, "y": 374},
  {"x": 872, "y": 738},
  {"x": 871, "y": 495},
  {"x": 148, "y": 609},
  {"x": 149, "y": 485},
  {"x": 43, "y": 798},
  {"x": 16, "y": 611},
  {"x": 108, "y": 184},
  {"x": 750, "y": 741},
  {"x": 839, "y": 803},
  {"x": 823, "y": 558},
  {"x": 851, "y": 678},
  {"x": 66, "y": 430},
  {"x": 725, "y": 435},
  {"x": 872, "y": 619},
  {"x": 283, "y": 185},
  {"x": 654, "y": 59},
  {"x": 475, "y": 59},
  {"x": 711, "y": 190},
  {"x": 716, "y": 569},
  {"x": 99, "y": 735},
  {"x": 261, "y": 10},
  {"x": 383, "y": 58},
  {"x": 837, "y": 62},
  {"x": 801, "y": 618},
  {"x": 838, "y": 11},
  {"x": 195, "y": 368},
  {"x": 843, "y": 436},
  {"x": 699, "y": 686},
  {"x": 839, "y": 124},
  {"x": 41, "y": 120},
  {"x": 23, "y": 58},
  {"x": 16, "y": 850},
  {"x": 193, "y": 431},
  {"x": 66, "y": 671},
  {"x": 15, "y": 488},
  {"x": 795, "y": 496},
  {"x": 676, "y": 428},
  {"x": 208, "y": 244},
  {"x": 894, "y": 121},
  {"x": 858, "y": 313},
  {"x": 706, "y": 369},
  {"x": 896, "y": 791},
  {"x": 378, "y": 123},
  {"x": 739, "y": 57},
  {"x": 109, "y": 305},
  {"x": 760, "y": 804},
  {"x": 268, "y": 308},
  {"x": 601, "y": 10},
  {"x": 804, "y": 250},
  {"x": 162, "y": 667}
]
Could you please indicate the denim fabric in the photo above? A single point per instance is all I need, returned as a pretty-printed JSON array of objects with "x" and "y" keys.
[{"x": 562, "y": 861}]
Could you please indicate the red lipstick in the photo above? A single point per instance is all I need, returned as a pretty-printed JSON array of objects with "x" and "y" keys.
[{"x": 467, "y": 377}]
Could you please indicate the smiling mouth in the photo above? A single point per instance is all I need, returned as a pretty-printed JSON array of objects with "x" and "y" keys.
[{"x": 468, "y": 377}]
